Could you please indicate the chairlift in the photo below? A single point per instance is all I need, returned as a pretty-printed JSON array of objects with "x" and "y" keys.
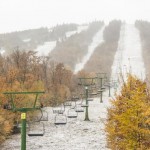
[
  {"x": 7, "y": 106},
  {"x": 36, "y": 129},
  {"x": 72, "y": 113},
  {"x": 60, "y": 119},
  {"x": 93, "y": 90},
  {"x": 59, "y": 109},
  {"x": 44, "y": 116},
  {"x": 17, "y": 128},
  {"x": 79, "y": 108},
  {"x": 75, "y": 98},
  {"x": 90, "y": 99},
  {"x": 84, "y": 105},
  {"x": 100, "y": 91},
  {"x": 73, "y": 103},
  {"x": 93, "y": 94},
  {"x": 67, "y": 103}
]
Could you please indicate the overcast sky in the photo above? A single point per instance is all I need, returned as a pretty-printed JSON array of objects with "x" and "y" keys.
[{"x": 27, "y": 14}]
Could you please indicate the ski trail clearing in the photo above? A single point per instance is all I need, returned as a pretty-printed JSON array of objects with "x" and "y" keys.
[{"x": 97, "y": 39}]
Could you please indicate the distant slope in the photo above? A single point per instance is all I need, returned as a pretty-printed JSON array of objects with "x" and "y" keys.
[
  {"x": 31, "y": 39},
  {"x": 72, "y": 50},
  {"x": 103, "y": 56},
  {"x": 68, "y": 43}
]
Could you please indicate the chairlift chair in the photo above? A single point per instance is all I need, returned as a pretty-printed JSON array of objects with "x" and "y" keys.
[
  {"x": 79, "y": 108},
  {"x": 93, "y": 91},
  {"x": 67, "y": 103},
  {"x": 84, "y": 105},
  {"x": 72, "y": 113},
  {"x": 7, "y": 106},
  {"x": 44, "y": 116},
  {"x": 59, "y": 109},
  {"x": 36, "y": 129},
  {"x": 73, "y": 104},
  {"x": 60, "y": 119}
]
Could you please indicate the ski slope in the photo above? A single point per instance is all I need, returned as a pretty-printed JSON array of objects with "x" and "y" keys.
[
  {"x": 47, "y": 47},
  {"x": 128, "y": 58},
  {"x": 97, "y": 39}
]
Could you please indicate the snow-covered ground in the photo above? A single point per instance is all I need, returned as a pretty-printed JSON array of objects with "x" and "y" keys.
[
  {"x": 77, "y": 134},
  {"x": 97, "y": 39},
  {"x": 44, "y": 50},
  {"x": 128, "y": 58}
]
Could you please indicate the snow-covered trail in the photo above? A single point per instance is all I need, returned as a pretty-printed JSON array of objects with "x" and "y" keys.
[
  {"x": 79, "y": 30},
  {"x": 128, "y": 58},
  {"x": 44, "y": 50},
  {"x": 77, "y": 134},
  {"x": 97, "y": 39},
  {"x": 48, "y": 47}
]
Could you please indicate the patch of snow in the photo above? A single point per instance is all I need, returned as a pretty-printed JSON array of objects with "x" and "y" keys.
[
  {"x": 70, "y": 33},
  {"x": 97, "y": 39},
  {"x": 26, "y": 40},
  {"x": 79, "y": 29},
  {"x": 2, "y": 51},
  {"x": 44, "y": 50}
]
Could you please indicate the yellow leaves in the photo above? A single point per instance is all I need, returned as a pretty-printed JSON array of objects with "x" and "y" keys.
[
  {"x": 128, "y": 119},
  {"x": 6, "y": 124},
  {"x": 7, "y": 127}
]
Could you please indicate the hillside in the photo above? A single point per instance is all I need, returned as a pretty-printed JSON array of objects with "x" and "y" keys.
[{"x": 31, "y": 39}]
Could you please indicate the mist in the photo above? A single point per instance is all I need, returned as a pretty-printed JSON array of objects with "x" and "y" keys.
[{"x": 19, "y": 15}]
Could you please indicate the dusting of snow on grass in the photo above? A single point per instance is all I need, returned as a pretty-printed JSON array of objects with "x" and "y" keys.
[
  {"x": 77, "y": 134},
  {"x": 97, "y": 39}
]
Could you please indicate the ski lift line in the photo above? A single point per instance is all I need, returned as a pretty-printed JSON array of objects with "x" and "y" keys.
[
  {"x": 31, "y": 133},
  {"x": 44, "y": 117},
  {"x": 67, "y": 103},
  {"x": 72, "y": 113},
  {"x": 84, "y": 105},
  {"x": 58, "y": 111},
  {"x": 60, "y": 119},
  {"x": 78, "y": 109}
]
